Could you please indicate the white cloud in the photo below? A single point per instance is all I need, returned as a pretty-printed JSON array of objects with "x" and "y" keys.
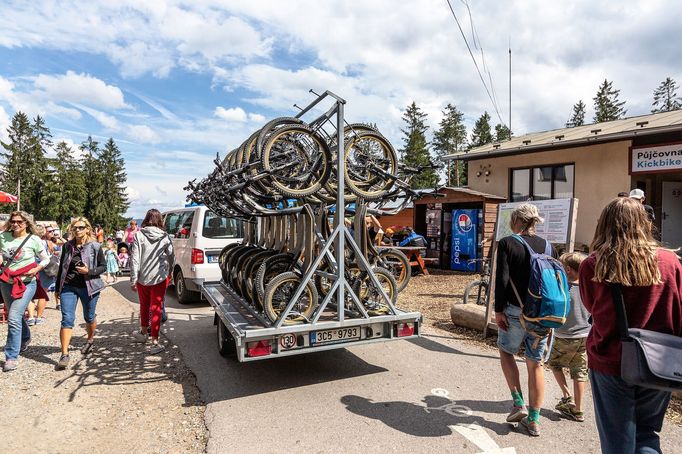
[
  {"x": 231, "y": 114},
  {"x": 80, "y": 88},
  {"x": 4, "y": 124},
  {"x": 142, "y": 134}
]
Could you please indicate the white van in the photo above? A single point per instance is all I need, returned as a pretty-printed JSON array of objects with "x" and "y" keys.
[{"x": 198, "y": 236}]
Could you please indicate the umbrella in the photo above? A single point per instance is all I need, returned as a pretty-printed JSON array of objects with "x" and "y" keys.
[{"x": 7, "y": 198}]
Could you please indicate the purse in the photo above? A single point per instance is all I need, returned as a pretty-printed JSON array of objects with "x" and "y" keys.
[
  {"x": 649, "y": 359},
  {"x": 52, "y": 268}
]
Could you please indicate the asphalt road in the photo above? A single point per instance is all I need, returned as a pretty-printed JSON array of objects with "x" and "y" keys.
[{"x": 432, "y": 394}]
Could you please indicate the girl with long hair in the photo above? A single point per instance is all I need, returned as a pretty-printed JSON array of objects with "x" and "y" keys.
[
  {"x": 80, "y": 266},
  {"x": 19, "y": 248},
  {"x": 624, "y": 252},
  {"x": 151, "y": 262}
]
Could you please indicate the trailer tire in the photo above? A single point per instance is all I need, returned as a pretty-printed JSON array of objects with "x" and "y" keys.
[{"x": 226, "y": 345}]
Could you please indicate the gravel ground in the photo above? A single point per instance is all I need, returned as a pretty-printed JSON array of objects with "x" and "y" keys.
[
  {"x": 432, "y": 296},
  {"x": 117, "y": 399}
]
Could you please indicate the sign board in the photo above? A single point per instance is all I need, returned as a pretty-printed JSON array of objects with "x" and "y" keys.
[
  {"x": 656, "y": 158},
  {"x": 557, "y": 214}
]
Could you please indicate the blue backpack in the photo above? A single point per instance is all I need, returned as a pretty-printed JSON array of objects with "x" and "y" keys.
[{"x": 547, "y": 302}]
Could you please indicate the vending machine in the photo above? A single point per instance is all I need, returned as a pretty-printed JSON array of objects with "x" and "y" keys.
[{"x": 464, "y": 245}]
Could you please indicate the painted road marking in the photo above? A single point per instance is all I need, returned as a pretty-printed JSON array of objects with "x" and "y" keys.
[{"x": 472, "y": 432}]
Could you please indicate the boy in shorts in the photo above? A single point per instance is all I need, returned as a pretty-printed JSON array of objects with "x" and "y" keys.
[{"x": 568, "y": 350}]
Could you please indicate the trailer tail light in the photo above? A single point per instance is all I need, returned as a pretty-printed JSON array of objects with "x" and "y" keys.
[
  {"x": 197, "y": 256},
  {"x": 405, "y": 329},
  {"x": 260, "y": 348}
]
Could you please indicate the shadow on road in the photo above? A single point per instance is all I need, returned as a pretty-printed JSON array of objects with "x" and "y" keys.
[{"x": 433, "y": 346}]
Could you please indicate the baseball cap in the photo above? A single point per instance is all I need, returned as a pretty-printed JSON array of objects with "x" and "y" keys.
[{"x": 637, "y": 194}]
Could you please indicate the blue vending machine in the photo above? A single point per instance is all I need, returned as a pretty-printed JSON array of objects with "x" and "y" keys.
[{"x": 464, "y": 240}]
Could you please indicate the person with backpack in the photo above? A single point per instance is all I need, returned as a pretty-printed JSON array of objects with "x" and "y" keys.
[
  {"x": 517, "y": 259},
  {"x": 413, "y": 239},
  {"x": 627, "y": 266}
]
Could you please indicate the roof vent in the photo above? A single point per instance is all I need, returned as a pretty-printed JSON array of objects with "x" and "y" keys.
[
  {"x": 526, "y": 142},
  {"x": 559, "y": 137},
  {"x": 641, "y": 124},
  {"x": 496, "y": 146},
  {"x": 595, "y": 131}
]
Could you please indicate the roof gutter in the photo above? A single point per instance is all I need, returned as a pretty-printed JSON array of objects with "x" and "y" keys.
[{"x": 464, "y": 156}]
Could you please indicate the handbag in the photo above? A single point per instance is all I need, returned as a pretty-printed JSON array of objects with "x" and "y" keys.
[
  {"x": 52, "y": 268},
  {"x": 649, "y": 359}
]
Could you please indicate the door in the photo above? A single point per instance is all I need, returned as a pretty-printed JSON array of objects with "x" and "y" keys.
[{"x": 671, "y": 214}]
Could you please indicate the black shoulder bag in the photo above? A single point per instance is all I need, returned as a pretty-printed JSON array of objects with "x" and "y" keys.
[{"x": 649, "y": 359}]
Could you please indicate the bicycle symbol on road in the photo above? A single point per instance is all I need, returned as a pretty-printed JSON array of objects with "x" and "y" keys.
[{"x": 451, "y": 408}]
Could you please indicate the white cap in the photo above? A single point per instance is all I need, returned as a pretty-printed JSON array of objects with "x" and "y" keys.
[{"x": 637, "y": 194}]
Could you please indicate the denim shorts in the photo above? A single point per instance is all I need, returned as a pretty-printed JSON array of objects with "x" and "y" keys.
[
  {"x": 69, "y": 301},
  {"x": 533, "y": 337}
]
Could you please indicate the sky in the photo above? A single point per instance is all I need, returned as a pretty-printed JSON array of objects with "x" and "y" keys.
[{"x": 176, "y": 82}]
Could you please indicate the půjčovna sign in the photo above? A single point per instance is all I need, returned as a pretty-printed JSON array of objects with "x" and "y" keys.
[{"x": 656, "y": 158}]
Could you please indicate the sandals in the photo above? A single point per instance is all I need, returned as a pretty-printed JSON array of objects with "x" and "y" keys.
[{"x": 572, "y": 413}]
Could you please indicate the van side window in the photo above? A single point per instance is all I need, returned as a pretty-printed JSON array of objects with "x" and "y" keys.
[
  {"x": 185, "y": 224},
  {"x": 170, "y": 223}
]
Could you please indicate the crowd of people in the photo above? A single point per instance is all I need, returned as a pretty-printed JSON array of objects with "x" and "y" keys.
[
  {"x": 35, "y": 261},
  {"x": 624, "y": 254}
]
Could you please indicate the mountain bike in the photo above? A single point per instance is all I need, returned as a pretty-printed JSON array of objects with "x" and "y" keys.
[{"x": 477, "y": 291}]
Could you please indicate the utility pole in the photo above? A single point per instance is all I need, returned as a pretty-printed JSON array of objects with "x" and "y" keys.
[
  {"x": 510, "y": 93},
  {"x": 19, "y": 194}
]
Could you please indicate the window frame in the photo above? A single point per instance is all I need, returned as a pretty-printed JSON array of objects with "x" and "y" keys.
[{"x": 531, "y": 173}]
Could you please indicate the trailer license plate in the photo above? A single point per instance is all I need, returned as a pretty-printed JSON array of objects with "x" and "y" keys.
[
  {"x": 334, "y": 335},
  {"x": 213, "y": 258}
]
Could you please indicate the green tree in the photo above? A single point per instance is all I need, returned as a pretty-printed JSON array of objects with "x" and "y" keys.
[
  {"x": 578, "y": 117},
  {"x": 113, "y": 169},
  {"x": 24, "y": 162},
  {"x": 95, "y": 208},
  {"x": 450, "y": 138},
  {"x": 482, "y": 133},
  {"x": 415, "y": 152},
  {"x": 607, "y": 107},
  {"x": 65, "y": 189},
  {"x": 502, "y": 133},
  {"x": 665, "y": 97}
]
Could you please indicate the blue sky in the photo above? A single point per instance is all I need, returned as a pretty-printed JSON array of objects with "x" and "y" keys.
[{"x": 175, "y": 82}]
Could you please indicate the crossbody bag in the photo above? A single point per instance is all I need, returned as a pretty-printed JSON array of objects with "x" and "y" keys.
[{"x": 648, "y": 359}]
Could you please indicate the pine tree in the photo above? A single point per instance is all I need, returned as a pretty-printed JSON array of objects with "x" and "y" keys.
[
  {"x": 113, "y": 169},
  {"x": 450, "y": 138},
  {"x": 481, "y": 134},
  {"x": 415, "y": 152},
  {"x": 578, "y": 117},
  {"x": 65, "y": 189},
  {"x": 24, "y": 160},
  {"x": 607, "y": 107},
  {"x": 665, "y": 97},
  {"x": 95, "y": 199},
  {"x": 502, "y": 133}
]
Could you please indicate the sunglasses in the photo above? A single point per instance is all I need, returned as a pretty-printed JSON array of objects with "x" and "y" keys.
[
  {"x": 79, "y": 227},
  {"x": 16, "y": 222}
]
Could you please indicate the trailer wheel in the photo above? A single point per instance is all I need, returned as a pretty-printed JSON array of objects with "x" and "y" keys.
[{"x": 226, "y": 345}]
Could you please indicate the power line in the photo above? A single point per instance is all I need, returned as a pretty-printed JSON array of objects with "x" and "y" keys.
[{"x": 478, "y": 70}]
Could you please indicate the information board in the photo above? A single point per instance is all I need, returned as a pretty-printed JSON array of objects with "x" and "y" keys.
[{"x": 556, "y": 212}]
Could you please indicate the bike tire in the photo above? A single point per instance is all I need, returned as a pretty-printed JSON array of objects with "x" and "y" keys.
[
  {"x": 472, "y": 294},
  {"x": 399, "y": 266},
  {"x": 278, "y": 294}
]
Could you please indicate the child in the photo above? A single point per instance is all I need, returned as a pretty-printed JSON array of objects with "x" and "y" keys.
[
  {"x": 568, "y": 350},
  {"x": 123, "y": 257},
  {"x": 112, "y": 262}
]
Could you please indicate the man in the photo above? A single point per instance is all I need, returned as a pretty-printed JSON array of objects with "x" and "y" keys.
[
  {"x": 413, "y": 239},
  {"x": 511, "y": 284},
  {"x": 638, "y": 194}
]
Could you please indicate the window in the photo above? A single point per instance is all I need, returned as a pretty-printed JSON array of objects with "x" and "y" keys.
[
  {"x": 179, "y": 224},
  {"x": 219, "y": 227},
  {"x": 542, "y": 183}
]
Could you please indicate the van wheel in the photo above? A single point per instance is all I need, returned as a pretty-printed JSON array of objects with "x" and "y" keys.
[
  {"x": 181, "y": 292},
  {"x": 226, "y": 345}
]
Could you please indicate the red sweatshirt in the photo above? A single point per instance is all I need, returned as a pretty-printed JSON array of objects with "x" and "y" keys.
[{"x": 656, "y": 308}]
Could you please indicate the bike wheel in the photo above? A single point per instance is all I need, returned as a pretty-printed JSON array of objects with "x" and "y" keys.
[
  {"x": 369, "y": 158},
  {"x": 369, "y": 294},
  {"x": 278, "y": 294},
  {"x": 397, "y": 263},
  {"x": 476, "y": 292}
]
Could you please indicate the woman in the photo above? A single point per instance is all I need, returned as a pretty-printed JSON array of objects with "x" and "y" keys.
[
  {"x": 624, "y": 252},
  {"x": 151, "y": 262},
  {"x": 99, "y": 233},
  {"x": 19, "y": 247},
  {"x": 37, "y": 309},
  {"x": 80, "y": 266},
  {"x": 131, "y": 231}
]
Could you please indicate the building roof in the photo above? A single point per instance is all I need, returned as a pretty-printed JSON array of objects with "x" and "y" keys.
[{"x": 607, "y": 131}]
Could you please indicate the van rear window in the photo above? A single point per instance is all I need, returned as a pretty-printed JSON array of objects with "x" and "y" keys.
[{"x": 219, "y": 227}]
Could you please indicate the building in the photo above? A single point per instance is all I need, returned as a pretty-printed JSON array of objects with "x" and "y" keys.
[{"x": 592, "y": 163}]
